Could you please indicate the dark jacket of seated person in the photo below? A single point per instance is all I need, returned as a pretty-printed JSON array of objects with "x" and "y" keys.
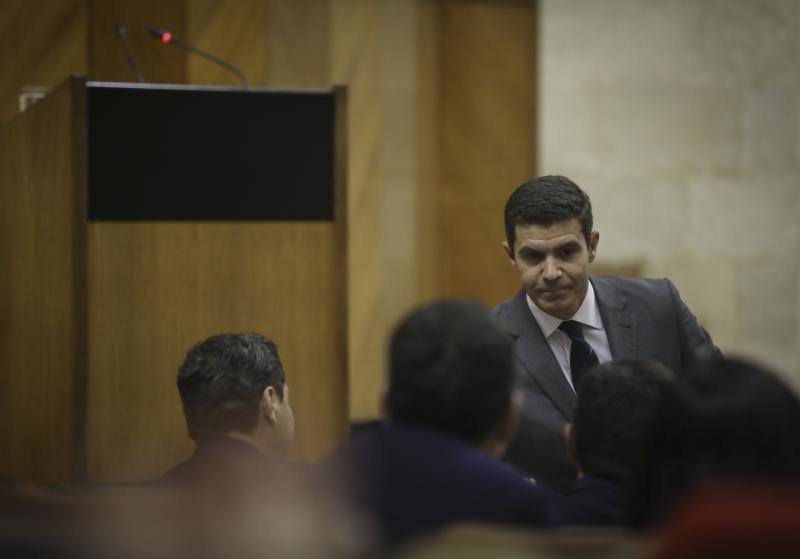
[
  {"x": 450, "y": 411},
  {"x": 617, "y": 402}
]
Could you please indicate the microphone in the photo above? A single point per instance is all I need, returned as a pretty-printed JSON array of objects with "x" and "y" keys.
[
  {"x": 119, "y": 30},
  {"x": 169, "y": 39}
]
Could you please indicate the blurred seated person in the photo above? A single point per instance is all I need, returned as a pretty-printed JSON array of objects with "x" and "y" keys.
[
  {"x": 451, "y": 410},
  {"x": 733, "y": 522},
  {"x": 236, "y": 402},
  {"x": 728, "y": 422},
  {"x": 616, "y": 404}
]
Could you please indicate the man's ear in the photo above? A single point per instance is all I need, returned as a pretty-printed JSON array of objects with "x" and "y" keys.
[
  {"x": 594, "y": 238},
  {"x": 509, "y": 252},
  {"x": 569, "y": 435},
  {"x": 268, "y": 401},
  {"x": 508, "y": 426},
  {"x": 384, "y": 403}
]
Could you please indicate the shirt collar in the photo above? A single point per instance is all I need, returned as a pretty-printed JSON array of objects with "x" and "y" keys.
[{"x": 588, "y": 314}]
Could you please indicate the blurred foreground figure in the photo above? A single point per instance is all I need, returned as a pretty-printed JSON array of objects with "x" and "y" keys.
[
  {"x": 237, "y": 496},
  {"x": 236, "y": 402},
  {"x": 734, "y": 522},
  {"x": 450, "y": 412},
  {"x": 616, "y": 405},
  {"x": 279, "y": 520},
  {"x": 729, "y": 422}
]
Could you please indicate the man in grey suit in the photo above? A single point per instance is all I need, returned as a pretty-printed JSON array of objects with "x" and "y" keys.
[{"x": 563, "y": 320}]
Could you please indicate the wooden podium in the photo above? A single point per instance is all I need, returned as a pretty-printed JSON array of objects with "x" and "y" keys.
[{"x": 138, "y": 220}]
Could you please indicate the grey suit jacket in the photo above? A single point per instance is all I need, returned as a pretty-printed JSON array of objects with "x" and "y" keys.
[{"x": 644, "y": 319}]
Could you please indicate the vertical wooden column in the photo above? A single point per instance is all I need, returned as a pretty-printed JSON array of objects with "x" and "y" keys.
[
  {"x": 356, "y": 61},
  {"x": 42, "y": 289},
  {"x": 428, "y": 148},
  {"x": 487, "y": 145}
]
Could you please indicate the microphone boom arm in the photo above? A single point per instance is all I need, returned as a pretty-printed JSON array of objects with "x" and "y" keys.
[{"x": 160, "y": 34}]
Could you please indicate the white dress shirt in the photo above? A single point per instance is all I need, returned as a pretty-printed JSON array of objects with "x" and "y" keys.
[{"x": 588, "y": 314}]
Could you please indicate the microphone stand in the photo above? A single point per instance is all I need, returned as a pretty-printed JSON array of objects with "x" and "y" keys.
[{"x": 168, "y": 38}]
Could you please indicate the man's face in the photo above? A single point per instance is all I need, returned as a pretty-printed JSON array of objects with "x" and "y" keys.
[{"x": 552, "y": 263}]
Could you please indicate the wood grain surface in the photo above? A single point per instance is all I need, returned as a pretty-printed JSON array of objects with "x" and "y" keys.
[
  {"x": 488, "y": 102},
  {"x": 42, "y": 289}
]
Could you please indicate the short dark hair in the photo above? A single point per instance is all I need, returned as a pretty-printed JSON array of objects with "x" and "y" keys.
[
  {"x": 616, "y": 404},
  {"x": 221, "y": 382},
  {"x": 729, "y": 420},
  {"x": 547, "y": 200},
  {"x": 450, "y": 369}
]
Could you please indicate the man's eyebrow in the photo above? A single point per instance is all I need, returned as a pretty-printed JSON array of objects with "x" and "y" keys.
[{"x": 572, "y": 243}]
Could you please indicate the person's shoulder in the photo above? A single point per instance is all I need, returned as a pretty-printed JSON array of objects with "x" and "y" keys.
[
  {"x": 505, "y": 309},
  {"x": 592, "y": 501},
  {"x": 633, "y": 287},
  {"x": 502, "y": 477}
]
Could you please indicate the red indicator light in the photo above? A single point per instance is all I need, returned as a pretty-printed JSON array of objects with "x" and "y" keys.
[{"x": 166, "y": 37}]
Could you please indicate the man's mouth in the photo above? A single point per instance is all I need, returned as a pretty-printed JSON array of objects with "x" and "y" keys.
[{"x": 553, "y": 290}]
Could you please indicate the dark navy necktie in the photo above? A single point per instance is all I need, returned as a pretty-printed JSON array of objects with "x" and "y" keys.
[{"x": 581, "y": 357}]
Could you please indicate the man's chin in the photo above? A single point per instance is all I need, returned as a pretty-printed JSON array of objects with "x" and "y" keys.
[{"x": 559, "y": 307}]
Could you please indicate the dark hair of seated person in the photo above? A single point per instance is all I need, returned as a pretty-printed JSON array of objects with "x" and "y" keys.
[
  {"x": 222, "y": 380},
  {"x": 616, "y": 404},
  {"x": 729, "y": 421},
  {"x": 450, "y": 370}
]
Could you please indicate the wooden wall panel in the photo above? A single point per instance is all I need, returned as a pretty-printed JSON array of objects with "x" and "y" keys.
[
  {"x": 298, "y": 50},
  {"x": 158, "y": 63},
  {"x": 428, "y": 146},
  {"x": 42, "y": 324},
  {"x": 156, "y": 289},
  {"x": 400, "y": 92},
  {"x": 234, "y": 30},
  {"x": 488, "y": 77},
  {"x": 356, "y": 62},
  {"x": 42, "y": 42}
]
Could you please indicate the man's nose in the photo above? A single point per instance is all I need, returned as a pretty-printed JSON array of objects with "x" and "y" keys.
[{"x": 552, "y": 271}]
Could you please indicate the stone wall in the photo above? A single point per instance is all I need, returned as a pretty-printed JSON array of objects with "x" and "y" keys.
[{"x": 681, "y": 118}]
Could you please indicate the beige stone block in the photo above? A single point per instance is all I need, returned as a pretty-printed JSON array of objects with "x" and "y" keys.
[
  {"x": 771, "y": 132},
  {"x": 642, "y": 219},
  {"x": 769, "y": 302},
  {"x": 630, "y": 37},
  {"x": 746, "y": 219},
  {"x": 749, "y": 41},
  {"x": 654, "y": 129}
]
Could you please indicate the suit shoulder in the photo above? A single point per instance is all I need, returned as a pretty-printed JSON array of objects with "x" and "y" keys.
[
  {"x": 504, "y": 309},
  {"x": 635, "y": 287}
]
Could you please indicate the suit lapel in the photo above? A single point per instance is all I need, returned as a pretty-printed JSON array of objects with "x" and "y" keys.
[
  {"x": 537, "y": 359},
  {"x": 619, "y": 319}
]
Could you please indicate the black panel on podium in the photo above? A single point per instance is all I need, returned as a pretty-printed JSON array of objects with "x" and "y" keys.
[{"x": 174, "y": 153}]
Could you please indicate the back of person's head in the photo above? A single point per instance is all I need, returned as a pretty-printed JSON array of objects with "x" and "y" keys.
[
  {"x": 616, "y": 405},
  {"x": 450, "y": 370},
  {"x": 547, "y": 200},
  {"x": 222, "y": 380},
  {"x": 728, "y": 421}
]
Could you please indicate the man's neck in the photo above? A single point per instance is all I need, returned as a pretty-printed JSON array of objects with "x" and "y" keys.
[{"x": 248, "y": 439}]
